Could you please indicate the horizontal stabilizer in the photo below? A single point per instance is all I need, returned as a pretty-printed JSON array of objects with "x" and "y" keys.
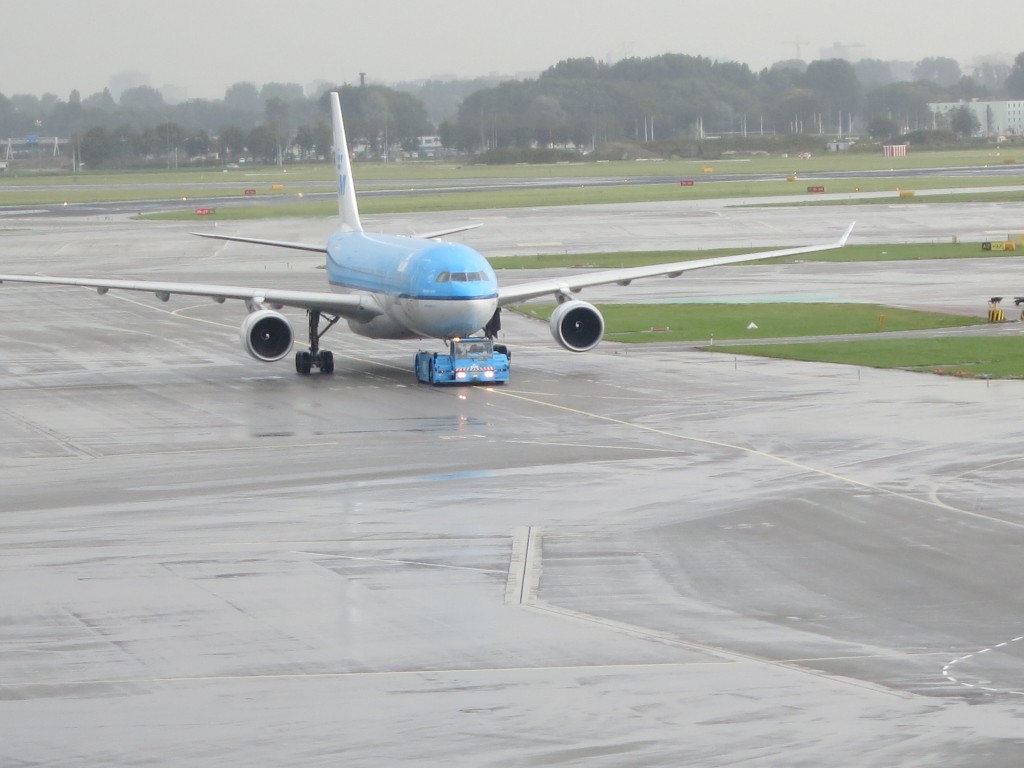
[
  {"x": 446, "y": 232},
  {"x": 259, "y": 241}
]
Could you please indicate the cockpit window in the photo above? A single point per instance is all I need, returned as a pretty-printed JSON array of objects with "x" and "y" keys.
[{"x": 461, "y": 277}]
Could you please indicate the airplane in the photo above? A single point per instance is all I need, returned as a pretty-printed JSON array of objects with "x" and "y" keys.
[{"x": 398, "y": 287}]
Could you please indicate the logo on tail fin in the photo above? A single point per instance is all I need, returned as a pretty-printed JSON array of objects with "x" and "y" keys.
[
  {"x": 339, "y": 163},
  {"x": 348, "y": 210}
]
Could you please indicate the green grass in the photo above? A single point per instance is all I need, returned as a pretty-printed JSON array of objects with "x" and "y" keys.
[
  {"x": 973, "y": 196},
  {"x": 970, "y": 356},
  {"x": 27, "y": 188},
  {"x": 419, "y": 170},
  {"x": 724, "y": 322},
  {"x": 967, "y": 356},
  {"x": 582, "y": 195},
  {"x": 694, "y": 167},
  {"x": 168, "y": 177}
]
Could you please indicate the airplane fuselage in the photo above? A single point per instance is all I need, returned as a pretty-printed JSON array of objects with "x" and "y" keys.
[{"x": 426, "y": 288}]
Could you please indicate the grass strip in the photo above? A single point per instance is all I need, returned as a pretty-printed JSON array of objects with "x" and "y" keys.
[
  {"x": 998, "y": 357},
  {"x": 640, "y": 323}
]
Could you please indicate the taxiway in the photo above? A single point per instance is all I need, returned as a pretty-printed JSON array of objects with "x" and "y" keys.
[{"x": 644, "y": 555}]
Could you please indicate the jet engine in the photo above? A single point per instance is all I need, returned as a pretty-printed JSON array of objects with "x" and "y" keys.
[
  {"x": 577, "y": 326},
  {"x": 267, "y": 335}
]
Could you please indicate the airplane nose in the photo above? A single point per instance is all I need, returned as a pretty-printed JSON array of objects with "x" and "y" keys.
[
  {"x": 480, "y": 313},
  {"x": 440, "y": 319}
]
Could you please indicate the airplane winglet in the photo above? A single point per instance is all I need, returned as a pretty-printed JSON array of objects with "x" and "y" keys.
[{"x": 846, "y": 234}]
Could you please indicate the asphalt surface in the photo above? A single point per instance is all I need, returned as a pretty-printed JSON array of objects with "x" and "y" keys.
[{"x": 638, "y": 556}]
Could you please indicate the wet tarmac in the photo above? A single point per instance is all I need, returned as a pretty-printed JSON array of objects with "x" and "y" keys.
[{"x": 638, "y": 556}]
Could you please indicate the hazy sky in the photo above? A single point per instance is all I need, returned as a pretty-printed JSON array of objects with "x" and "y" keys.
[{"x": 205, "y": 45}]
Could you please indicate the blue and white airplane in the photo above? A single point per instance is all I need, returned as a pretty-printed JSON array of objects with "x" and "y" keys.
[{"x": 394, "y": 287}]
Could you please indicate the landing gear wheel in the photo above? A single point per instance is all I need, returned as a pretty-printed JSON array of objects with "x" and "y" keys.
[
  {"x": 326, "y": 361},
  {"x": 316, "y": 357}
]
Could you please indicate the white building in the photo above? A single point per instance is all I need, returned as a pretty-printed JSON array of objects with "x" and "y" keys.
[
  {"x": 995, "y": 118},
  {"x": 429, "y": 146}
]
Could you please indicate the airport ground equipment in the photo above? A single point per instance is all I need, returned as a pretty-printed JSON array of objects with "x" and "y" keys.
[
  {"x": 995, "y": 314},
  {"x": 468, "y": 361}
]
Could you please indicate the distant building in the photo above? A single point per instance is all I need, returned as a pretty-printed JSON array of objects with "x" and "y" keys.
[
  {"x": 995, "y": 118},
  {"x": 429, "y": 146},
  {"x": 124, "y": 81}
]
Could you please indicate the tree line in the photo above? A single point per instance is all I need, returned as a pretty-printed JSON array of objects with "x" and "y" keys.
[
  {"x": 581, "y": 103},
  {"x": 266, "y": 124}
]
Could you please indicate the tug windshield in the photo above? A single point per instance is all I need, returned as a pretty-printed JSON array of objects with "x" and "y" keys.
[{"x": 475, "y": 349}]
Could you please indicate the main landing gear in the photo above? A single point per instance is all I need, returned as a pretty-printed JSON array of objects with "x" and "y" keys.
[{"x": 316, "y": 357}]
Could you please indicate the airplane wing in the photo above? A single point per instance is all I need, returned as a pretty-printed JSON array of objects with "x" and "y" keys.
[
  {"x": 356, "y": 306},
  {"x": 565, "y": 285}
]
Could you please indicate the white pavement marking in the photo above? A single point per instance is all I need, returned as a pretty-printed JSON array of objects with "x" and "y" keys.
[{"x": 947, "y": 670}]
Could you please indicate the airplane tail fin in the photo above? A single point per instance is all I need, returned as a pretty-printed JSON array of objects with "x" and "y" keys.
[{"x": 347, "y": 208}]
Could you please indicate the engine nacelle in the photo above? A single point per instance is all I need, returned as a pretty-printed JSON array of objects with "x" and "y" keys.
[
  {"x": 267, "y": 335},
  {"x": 577, "y": 326}
]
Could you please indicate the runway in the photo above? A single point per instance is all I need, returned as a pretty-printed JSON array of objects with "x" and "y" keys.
[{"x": 638, "y": 556}]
